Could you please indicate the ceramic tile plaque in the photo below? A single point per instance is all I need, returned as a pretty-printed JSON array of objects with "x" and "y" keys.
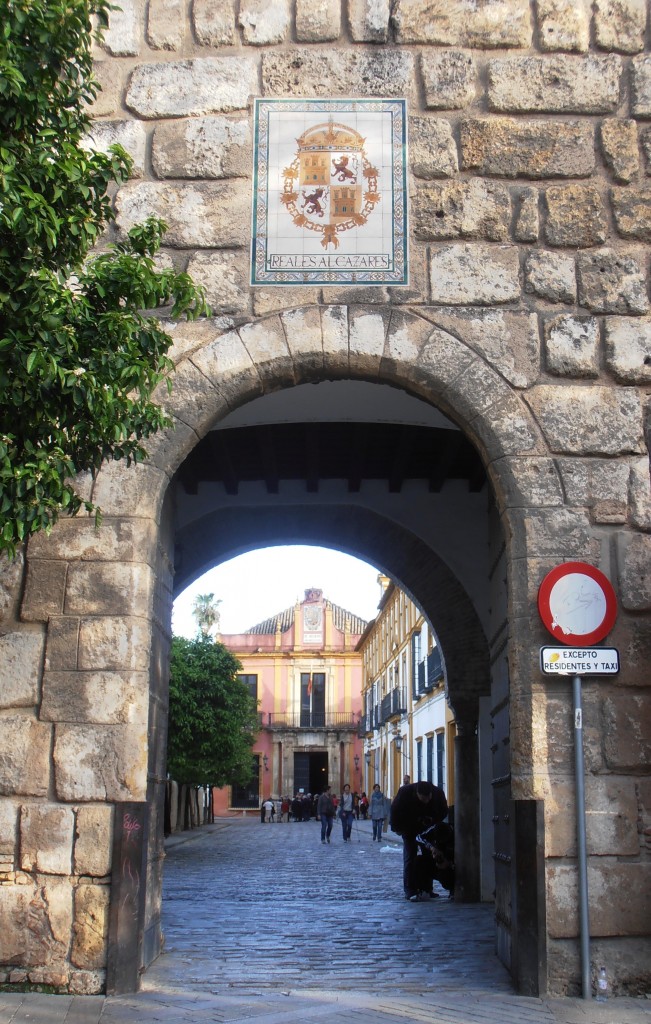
[{"x": 329, "y": 192}]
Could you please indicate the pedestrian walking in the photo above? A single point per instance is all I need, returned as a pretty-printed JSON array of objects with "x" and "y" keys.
[
  {"x": 325, "y": 810},
  {"x": 376, "y": 807},
  {"x": 415, "y": 808},
  {"x": 346, "y": 812},
  {"x": 268, "y": 808}
]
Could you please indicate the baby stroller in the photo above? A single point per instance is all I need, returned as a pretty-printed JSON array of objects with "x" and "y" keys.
[{"x": 436, "y": 857}]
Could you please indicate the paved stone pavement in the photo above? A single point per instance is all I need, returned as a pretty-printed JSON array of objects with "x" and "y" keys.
[{"x": 265, "y": 924}]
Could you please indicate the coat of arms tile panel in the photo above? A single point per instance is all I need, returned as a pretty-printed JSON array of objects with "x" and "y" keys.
[{"x": 329, "y": 196}]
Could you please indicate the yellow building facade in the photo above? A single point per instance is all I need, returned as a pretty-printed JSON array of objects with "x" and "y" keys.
[
  {"x": 408, "y": 726},
  {"x": 303, "y": 669}
]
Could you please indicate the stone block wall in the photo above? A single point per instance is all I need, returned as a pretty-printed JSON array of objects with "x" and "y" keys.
[{"x": 527, "y": 319}]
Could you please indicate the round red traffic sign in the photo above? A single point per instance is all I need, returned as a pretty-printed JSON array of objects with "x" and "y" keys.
[{"x": 577, "y": 603}]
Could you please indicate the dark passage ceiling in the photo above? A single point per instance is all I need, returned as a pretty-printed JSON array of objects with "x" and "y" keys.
[{"x": 332, "y": 451}]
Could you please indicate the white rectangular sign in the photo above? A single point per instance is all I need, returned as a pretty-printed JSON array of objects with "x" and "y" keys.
[{"x": 579, "y": 661}]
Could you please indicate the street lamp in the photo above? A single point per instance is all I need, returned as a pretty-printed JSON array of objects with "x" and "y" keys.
[
  {"x": 265, "y": 762},
  {"x": 356, "y": 762},
  {"x": 398, "y": 742},
  {"x": 367, "y": 756}
]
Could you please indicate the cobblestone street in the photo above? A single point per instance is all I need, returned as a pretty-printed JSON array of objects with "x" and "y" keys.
[{"x": 264, "y": 923}]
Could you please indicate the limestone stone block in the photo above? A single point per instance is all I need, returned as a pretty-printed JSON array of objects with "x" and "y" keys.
[
  {"x": 405, "y": 338},
  {"x": 634, "y": 559},
  {"x": 87, "y": 983},
  {"x": 224, "y": 276},
  {"x": 508, "y": 341},
  {"x": 640, "y": 494},
  {"x": 527, "y": 149},
  {"x": 646, "y": 149},
  {"x": 225, "y": 359},
  {"x": 503, "y": 23},
  {"x": 165, "y": 24},
  {"x": 213, "y": 22},
  {"x": 572, "y": 346},
  {"x": 128, "y": 134},
  {"x": 302, "y": 328},
  {"x": 559, "y": 84},
  {"x": 462, "y": 209},
  {"x": 550, "y": 275},
  {"x": 98, "y": 697},
  {"x": 632, "y": 212},
  {"x": 122, "y": 37},
  {"x": 97, "y": 588},
  {"x": 417, "y": 291},
  {"x": 529, "y": 482},
  {"x": 611, "y": 282},
  {"x": 266, "y": 343},
  {"x": 347, "y": 296},
  {"x": 449, "y": 77},
  {"x": 44, "y": 589},
  {"x": 575, "y": 216},
  {"x": 619, "y": 147},
  {"x": 101, "y": 762},
  {"x": 90, "y": 927},
  {"x": 611, "y": 817},
  {"x": 334, "y": 327},
  {"x": 93, "y": 840},
  {"x": 474, "y": 275},
  {"x": 272, "y": 300},
  {"x": 589, "y": 421},
  {"x": 21, "y": 662},
  {"x": 79, "y": 538},
  {"x": 108, "y": 75},
  {"x": 597, "y": 484},
  {"x": 335, "y": 72},
  {"x": 11, "y": 576},
  {"x": 120, "y": 488},
  {"x": 628, "y": 348},
  {"x": 208, "y": 85},
  {"x": 610, "y": 884},
  {"x": 369, "y": 20},
  {"x": 211, "y": 215},
  {"x": 641, "y": 86},
  {"x": 20, "y": 775},
  {"x": 264, "y": 22},
  {"x": 564, "y": 25},
  {"x": 509, "y": 429},
  {"x": 527, "y": 220},
  {"x": 202, "y": 147},
  {"x": 432, "y": 149},
  {"x": 620, "y": 25},
  {"x": 46, "y": 832},
  {"x": 114, "y": 643},
  {"x": 367, "y": 333},
  {"x": 47, "y": 905},
  {"x": 9, "y": 818},
  {"x": 192, "y": 400},
  {"x": 318, "y": 21}
]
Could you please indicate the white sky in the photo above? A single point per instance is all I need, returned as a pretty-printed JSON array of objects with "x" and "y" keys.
[{"x": 254, "y": 586}]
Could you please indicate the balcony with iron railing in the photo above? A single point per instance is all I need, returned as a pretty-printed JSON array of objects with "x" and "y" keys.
[{"x": 340, "y": 720}]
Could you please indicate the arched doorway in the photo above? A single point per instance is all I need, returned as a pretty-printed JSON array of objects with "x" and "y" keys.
[{"x": 119, "y": 583}]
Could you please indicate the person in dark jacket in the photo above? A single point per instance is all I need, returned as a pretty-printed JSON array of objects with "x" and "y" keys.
[
  {"x": 325, "y": 810},
  {"x": 415, "y": 808}
]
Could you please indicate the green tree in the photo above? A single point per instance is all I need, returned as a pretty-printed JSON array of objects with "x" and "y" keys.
[
  {"x": 212, "y": 718},
  {"x": 79, "y": 356},
  {"x": 205, "y": 611}
]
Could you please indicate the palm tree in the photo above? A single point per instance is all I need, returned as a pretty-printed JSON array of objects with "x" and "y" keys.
[{"x": 205, "y": 611}]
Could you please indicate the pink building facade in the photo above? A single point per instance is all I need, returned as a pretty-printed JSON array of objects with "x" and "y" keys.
[{"x": 302, "y": 667}]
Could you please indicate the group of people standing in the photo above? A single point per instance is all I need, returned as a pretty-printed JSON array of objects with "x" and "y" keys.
[{"x": 328, "y": 807}]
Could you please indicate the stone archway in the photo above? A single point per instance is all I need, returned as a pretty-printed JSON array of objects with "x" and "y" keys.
[{"x": 93, "y": 610}]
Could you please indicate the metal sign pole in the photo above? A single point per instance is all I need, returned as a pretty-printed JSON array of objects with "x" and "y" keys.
[{"x": 581, "y": 838}]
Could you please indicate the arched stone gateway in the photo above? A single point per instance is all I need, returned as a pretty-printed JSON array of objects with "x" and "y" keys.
[
  {"x": 525, "y": 322},
  {"x": 86, "y": 634}
]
